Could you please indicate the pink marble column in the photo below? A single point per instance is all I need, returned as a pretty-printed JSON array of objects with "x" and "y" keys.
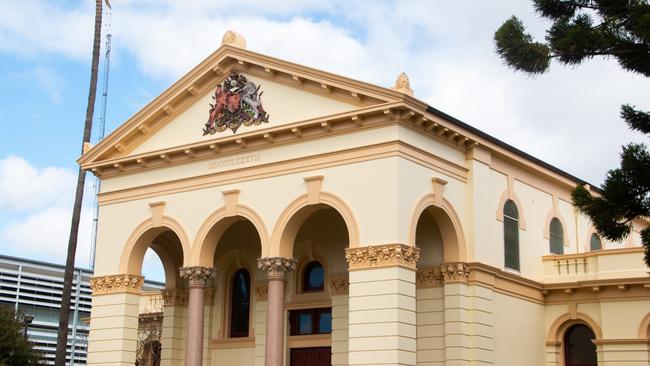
[
  {"x": 197, "y": 278},
  {"x": 276, "y": 269}
]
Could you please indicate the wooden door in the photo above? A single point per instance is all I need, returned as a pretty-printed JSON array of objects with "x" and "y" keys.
[{"x": 315, "y": 356}]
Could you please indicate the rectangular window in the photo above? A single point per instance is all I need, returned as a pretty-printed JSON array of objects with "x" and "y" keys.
[{"x": 310, "y": 321}]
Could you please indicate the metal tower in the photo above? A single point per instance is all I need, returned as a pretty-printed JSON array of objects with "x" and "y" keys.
[{"x": 101, "y": 131}]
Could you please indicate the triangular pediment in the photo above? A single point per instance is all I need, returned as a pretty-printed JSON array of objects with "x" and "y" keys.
[{"x": 289, "y": 93}]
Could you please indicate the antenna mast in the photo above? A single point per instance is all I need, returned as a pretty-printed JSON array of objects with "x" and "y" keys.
[{"x": 101, "y": 132}]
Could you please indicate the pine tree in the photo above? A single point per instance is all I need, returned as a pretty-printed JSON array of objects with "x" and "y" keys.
[{"x": 581, "y": 30}]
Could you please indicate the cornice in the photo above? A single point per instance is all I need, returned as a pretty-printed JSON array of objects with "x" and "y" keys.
[{"x": 296, "y": 165}]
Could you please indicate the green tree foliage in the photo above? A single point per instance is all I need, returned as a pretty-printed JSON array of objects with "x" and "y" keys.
[
  {"x": 581, "y": 30},
  {"x": 14, "y": 348}
]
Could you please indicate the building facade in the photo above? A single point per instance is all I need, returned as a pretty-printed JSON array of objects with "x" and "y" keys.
[
  {"x": 34, "y": 288},
  {"x": 304, "y": 218}
]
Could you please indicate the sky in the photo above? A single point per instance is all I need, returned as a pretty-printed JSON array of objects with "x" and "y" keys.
[{"x": 568, "y": 117}]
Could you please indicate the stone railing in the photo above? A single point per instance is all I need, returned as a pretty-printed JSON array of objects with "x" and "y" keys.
[
  {"x": 596, "y": 265},
  {"x": 151, "y": 302}
]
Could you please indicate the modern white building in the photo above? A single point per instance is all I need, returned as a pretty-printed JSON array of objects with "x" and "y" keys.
[{"x": 34, "y": 288}]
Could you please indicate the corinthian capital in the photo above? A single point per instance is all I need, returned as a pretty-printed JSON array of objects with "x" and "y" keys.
[
  {"x": 279, "y": 265},
  {"x": 198, "y": 276}
]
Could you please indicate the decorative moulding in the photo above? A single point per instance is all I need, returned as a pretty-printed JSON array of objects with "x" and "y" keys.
[
  {"x": 455, "y": 272},
  {"x": 157, "y": 210},
  {"x": 382, "y": 256},
  {"x": 279, "y": 265},
  {"x": 198, "y": 276},
  {"x": 429, "y": 277},
  {"x": 231, "y": 199},
  {"x": 438, "y": 190},
  {"x": 234, "y": 39},
  {"x": 116, "y": 283},
  {"x": 339, "y": 284},
  {"x": 175, "y": 296},
  {"x": 403, "y": 84},
  {"x": 262, "y": 292},
  {"x": 314, "y": 185}
]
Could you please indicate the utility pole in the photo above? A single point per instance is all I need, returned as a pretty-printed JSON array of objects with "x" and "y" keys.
[{"x": 64, "y": 314}]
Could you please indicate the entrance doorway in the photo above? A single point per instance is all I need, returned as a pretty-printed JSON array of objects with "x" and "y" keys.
[{"x": 314, "y": 356}]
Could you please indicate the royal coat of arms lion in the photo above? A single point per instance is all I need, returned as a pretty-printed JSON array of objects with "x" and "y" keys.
[{"x": 237, "y": 102}]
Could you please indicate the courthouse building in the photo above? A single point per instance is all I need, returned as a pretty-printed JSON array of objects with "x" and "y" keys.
[{"x": 304, "y": 218}]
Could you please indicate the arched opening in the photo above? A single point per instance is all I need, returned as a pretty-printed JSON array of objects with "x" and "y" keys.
[
  {"x": 319, "y": 243},
  {"x": 153, "y": 248},
  {"x": 579, "y": 349},
  {"x": 430, "y": 239},
  {"x": 237, "y": 246}
]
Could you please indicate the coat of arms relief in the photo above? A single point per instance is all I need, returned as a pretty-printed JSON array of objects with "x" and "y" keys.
[{"x": 237, "y": 102}]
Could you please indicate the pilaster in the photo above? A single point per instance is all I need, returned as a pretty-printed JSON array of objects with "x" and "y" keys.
[
  {"x": 469, "y": 328},
  {"x": 174, "y": 326},
  {"x": 114, "y": 319},
  {"x": 382, "y": 321}
]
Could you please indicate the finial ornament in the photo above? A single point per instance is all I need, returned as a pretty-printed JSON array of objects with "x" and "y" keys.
[
  {"x": 403, "y": 85},
  {"x": 231, "y": 38}
]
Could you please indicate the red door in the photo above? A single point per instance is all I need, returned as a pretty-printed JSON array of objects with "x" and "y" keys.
[{"x": 315, "y": 356}]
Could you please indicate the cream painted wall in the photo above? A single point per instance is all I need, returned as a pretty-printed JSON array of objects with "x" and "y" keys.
[
  {"x": 519, "y": 331},
  {"x": 284, "y": 105}
]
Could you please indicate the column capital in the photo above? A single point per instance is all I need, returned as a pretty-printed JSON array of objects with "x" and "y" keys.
[
  {"x": 175, "y": 296},
  {"x": 197, "y": 275},
  {"x": 116, "y": 283},
  {"x": 455, "y": 272},
  {"x": 276, "y": 265},
  {"x": 382, "y": 256}
]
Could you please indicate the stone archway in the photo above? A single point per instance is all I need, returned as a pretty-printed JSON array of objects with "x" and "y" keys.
[{"x": 448, "y": 223}]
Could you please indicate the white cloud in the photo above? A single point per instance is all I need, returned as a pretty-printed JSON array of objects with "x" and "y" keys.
[
  {"x": 568, "y": 117},
  {"x": 44, "y": 235},
  {"x": 23, "y": 187},
  {"x": 36, "y": 206},
  {"x": 36, "y": 28}
]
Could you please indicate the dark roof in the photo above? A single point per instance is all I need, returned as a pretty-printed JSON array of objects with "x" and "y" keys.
[{"x": 509, "y": 147}]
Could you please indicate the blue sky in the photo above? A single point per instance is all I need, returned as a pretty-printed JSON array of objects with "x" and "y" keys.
[{"x": 568, "y": 117}]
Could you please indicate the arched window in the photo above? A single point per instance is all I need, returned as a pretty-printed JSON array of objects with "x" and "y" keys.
[
  {"x": 313, "y": 277},
  {"x": 579, "y": 350},
  {"x": 556, "y": 236},
  {"x": 240, "y": 295},
  {"x": 595, "y": 243},
  {"x": 511, "y": 235}
]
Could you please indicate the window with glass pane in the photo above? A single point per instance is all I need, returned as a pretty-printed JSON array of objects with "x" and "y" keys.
[
  {"x": 556, "y": 234},
  {"x": 240, "y": 304},
  {"x": 595, "y": 243},
  {"x": 313, "y": 277},
  {"x": 310, "y": 321},
  {"x": 511, "y": 235},
  {"x": 579, "y": 350}
]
